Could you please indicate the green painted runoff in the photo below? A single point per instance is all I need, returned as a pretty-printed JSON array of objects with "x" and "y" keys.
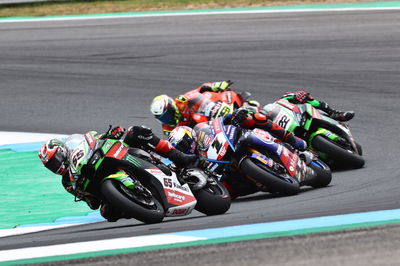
[{"x": 31, "y": 194}]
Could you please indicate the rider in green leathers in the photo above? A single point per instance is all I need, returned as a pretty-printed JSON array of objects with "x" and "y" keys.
[
  {"x": 54, "y": 155},
  {"x": 301, "y": 96}
]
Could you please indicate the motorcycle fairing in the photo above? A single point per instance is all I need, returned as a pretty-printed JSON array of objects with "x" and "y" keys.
[
  {"x": 213, "y": 140},
  {"x": 218, "y": 127},
  {"x": 91, "y": 140},
  {"x": 287, "y": 118},
  {"x": 288, "y": 105},
  {"x": 181, "y": 200},
  {"x": 213, "y": 104},
  {"x": 262, "y": 158},
  {"x": 118, "y": 150},
  {"x": 265, "y": 141}
]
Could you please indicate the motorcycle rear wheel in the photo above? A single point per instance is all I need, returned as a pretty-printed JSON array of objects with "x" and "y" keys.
[
  {"x": 213, "y": 199},
  {"x": 286, "y": 186},
  {"x": 115, "y": 194},
  {"x": 340, "y": 156}
]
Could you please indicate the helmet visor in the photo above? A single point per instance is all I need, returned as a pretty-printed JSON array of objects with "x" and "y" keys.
[
  {"x": 56, "y": 163},
  {"x": 168, "y": 118}
]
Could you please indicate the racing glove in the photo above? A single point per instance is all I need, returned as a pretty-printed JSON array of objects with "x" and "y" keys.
[
  {"x": 302, "y": 96},
  {"x": 217, "y": 86},
  {"x": 239, "y": 116},
  {"x": 116, "y": 132},
  {"x": 253, "y": 103},
  {"x": 141, "y": 137}
]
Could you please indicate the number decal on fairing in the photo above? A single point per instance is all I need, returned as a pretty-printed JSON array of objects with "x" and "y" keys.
[
  {"x": 224, "y": 111},
  {"x": 77, "y": 157},
  {"x": 168, "y": 182},
  {"x": 216, "y": 145},
  {"x": 283, "y": 121}
]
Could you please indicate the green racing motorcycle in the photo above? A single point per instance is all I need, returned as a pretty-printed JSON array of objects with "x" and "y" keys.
[
  {"x": 138, "y": 184},
  {"x": 332, "y": 140}
]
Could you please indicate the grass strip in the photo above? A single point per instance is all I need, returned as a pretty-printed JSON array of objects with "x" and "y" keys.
[{"x": 79, "y": 7}]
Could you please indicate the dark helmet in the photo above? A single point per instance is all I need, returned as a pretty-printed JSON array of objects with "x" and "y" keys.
[
  {"x": 183, "y": 138},
  {"x": 165, "y": 110},
  {"x": 54, "y": 156}
]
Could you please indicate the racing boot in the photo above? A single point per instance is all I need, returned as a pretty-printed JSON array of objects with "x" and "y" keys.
[
  {"x": 92, "y": 202},
  {"x": 335, "y": 114},
  {"x": 143, "y": 137},
  {"x": 342, "y": 116}
]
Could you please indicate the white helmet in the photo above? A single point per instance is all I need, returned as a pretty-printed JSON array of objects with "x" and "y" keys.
[{"x": 165, "y": 110}]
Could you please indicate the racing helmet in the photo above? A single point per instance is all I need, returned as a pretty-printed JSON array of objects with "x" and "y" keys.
[
  {"x": 183, "y": 138},
  {"x": 54, "y": 156},
  {"x": 165, "y": 110}
]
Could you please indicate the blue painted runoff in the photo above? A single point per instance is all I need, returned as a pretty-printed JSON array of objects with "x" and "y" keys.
[{"x": 298, "y": 224}]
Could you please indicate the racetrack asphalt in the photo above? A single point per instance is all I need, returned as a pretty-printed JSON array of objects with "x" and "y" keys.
[{"x": 73, "y": 76}]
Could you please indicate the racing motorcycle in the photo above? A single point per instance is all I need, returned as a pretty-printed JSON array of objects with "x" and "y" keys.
[
  {"x": 255, "y": 155},
  {"x": 138, "y": 184},
  {"x": 331, "y": 139},
  {"x": 212, "y": 104}
]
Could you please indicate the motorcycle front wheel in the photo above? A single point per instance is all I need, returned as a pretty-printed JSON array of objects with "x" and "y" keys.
[
  {"x": 141, "y": 207},
  {"x": 324, "y": 174},
  {"x": 212, "y": 199}
]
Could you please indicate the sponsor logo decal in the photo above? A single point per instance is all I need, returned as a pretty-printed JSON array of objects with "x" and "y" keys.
[
  {"x": 232, "y": 132},
  {"x": 265, "y": 136},
  {"x": 178, "y": 186},
  {"x": 180, "y": 211},
  {"x": 118, "y": 151},
  {"x": 293, "y": 163},
  {"x": 90, "y": 139},
  {"x": 176, "y": 196},
  {"x": 229, "y": 97},
  {"x": 154, "y": 171}
]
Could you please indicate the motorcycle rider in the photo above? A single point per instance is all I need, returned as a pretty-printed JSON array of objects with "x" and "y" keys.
[
  {"x": 55, "y": 156},
  {"x": 251, "y": 118},
  {"x": 184, "y": 138},
  {"x": 301, "y": 96},
  {"x": 178, "y": 112}
]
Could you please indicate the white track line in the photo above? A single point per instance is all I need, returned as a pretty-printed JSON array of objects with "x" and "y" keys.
[
  {"x": 10, "y": 137},
  {"x": 92, "y": 246}
]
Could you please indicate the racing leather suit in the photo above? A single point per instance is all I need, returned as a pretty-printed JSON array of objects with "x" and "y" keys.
[
  {"x": 194, "y": 101},
  {"x": 300, "y": 97},
  {"x": 137, "y": 137}
]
